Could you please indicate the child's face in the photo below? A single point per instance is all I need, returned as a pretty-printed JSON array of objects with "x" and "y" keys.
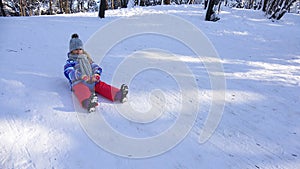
[{"x": 77, "y": 51}]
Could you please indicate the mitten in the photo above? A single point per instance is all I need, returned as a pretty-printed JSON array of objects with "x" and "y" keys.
[
  {"x": 96, "y": 78},
  {"x": 85, "y": 78}
]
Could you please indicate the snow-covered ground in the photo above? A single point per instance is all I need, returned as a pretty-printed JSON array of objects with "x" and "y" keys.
[{"x": 39, "y": 126}]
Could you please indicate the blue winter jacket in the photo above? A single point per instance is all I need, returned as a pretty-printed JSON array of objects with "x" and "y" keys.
[{"x": 72, "y": 71}]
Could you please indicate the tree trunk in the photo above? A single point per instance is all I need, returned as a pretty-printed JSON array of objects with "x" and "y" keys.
[
  {"x": 205, "y": 4},
  {"x": 70, "y": 6},
  {"x": 124, "y": 4},
  {"x": 102, "y": 8},
  {"x": 50, "y": 7},
  {"x": 219, "y": 6},
  {"x": 191, "y": 2},
  {"x": 209, "y": 10},
  {"x": 30, "y": 8},
  {"x": 66, "y": 7},
  {"x": 2, "y": 10},
  {"x": 264, "y": 7},
  {"x": 21, "y": 8},
  {"x": 61, "y": 9}
]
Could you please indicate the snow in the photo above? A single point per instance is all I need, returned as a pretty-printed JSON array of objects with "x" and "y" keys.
[{"x": 39, "y": 126}]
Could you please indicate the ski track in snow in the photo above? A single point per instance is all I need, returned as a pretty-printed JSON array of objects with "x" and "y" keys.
[{"x": 259, "y": 129}]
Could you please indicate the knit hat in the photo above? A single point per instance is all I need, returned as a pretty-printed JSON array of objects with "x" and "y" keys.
[{"x": 75, "y": 42}]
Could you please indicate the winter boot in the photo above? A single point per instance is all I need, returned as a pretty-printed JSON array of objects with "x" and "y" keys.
[
  {"x": 124, "y": 92},
  {"x": 91, "y": 103},
  {"x": 121, "y": 95}
]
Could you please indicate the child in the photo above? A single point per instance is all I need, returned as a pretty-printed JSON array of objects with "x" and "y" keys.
[{"x": 84, "y": 77}]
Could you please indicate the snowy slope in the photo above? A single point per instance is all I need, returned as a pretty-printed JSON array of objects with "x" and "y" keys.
[{"x": 260, "y": 126}]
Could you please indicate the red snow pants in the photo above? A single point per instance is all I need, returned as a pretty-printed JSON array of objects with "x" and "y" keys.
[
  {"x": 106, "y": 90},
  {"x": 83, "y": 92}
]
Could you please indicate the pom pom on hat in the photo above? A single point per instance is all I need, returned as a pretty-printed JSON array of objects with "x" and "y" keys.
[
  {"x": 75, "y": 35},
  {"x": 75, "y": 42}
]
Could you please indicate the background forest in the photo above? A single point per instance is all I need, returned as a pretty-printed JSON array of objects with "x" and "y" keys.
[{"x": 274, "y": 9}]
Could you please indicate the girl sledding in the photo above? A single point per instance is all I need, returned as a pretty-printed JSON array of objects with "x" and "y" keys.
[{"x": 84, "y": 76}]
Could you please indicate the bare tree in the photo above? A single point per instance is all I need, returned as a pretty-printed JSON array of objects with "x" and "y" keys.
[{"x": 275, "y": 9}]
